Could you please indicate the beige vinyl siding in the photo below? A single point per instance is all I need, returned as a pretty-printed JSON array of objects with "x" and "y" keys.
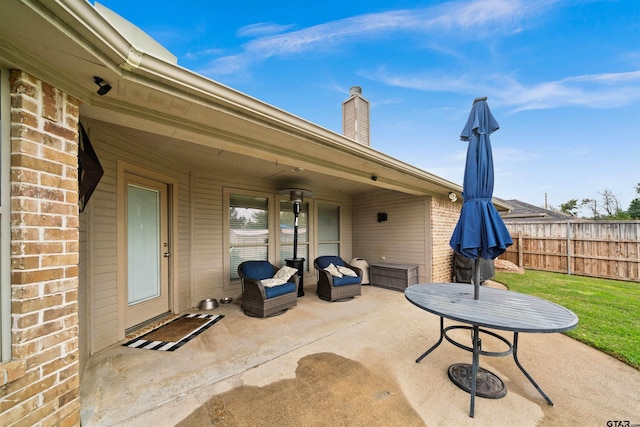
[
  {"x": 104, "y": 328},
  {"x": 83, "y": 296},
  {"x": 208, "y": 255},
  {"x": 200, "y": 230},
  {"x": 403, "y": 238},
  {"x": 183, "y": 240},
  {"x": 101, "y": 280}
]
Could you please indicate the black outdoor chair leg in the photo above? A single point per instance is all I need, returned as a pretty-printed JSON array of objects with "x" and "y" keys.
[
  {"x": 515, "y": 358},
  {"x": 436, "y": 344}
]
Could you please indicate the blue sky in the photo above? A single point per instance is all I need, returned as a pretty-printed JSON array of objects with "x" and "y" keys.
[{"x": 562, "y": 78}]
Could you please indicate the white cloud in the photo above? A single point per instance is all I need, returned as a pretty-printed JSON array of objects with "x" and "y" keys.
[
  {"x": 433, "y": 81},
  {"x": 233, "y": 64},
  {"x": 452, "y": 20},
  {"x": 509, "y": 155},
  {"x": 605, "y": 90},
  {"x": 203, "y": 53},
  {"x": 262, "y": 29},
  {"x": 481, "y": 17}
]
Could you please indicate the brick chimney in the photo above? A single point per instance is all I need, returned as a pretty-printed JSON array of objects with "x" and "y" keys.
[{"x": 355, "y": 117}]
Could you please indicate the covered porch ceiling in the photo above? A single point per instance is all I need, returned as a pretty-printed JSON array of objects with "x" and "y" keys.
[{"x": 276, "y": 172}]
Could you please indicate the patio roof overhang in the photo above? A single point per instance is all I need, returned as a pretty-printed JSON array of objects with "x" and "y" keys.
[{"x": 169, "y": 108}]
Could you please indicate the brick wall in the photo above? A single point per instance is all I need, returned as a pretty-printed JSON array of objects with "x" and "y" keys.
[
  {"x": 444, "y": 216},
  {"x": 40, "y": 386}
]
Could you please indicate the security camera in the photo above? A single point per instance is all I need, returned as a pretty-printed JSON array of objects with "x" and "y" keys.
[
  {"x": 103, "y": 87},
  {"x": 374, "y": 178}
]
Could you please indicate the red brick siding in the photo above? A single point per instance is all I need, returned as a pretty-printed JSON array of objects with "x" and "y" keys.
[{"x": 40, "y": 386}]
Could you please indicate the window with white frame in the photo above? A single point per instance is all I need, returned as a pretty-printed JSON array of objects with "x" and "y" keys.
[
  {"x": 287, "y": 232},
  {"x": 5, "y": 229},
  {"x": 248, "y": 230},
  {"x": 328, "y": 230}
]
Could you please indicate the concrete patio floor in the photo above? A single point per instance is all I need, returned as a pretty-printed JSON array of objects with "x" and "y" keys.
[{"x": 382, "y": 331}]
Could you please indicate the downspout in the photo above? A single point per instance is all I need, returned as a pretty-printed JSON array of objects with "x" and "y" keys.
[{"x": 5, "y": 218}]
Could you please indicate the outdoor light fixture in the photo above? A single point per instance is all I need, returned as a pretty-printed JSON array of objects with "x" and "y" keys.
[
  {"x": 452, "y": 196},
  {"x": 103, "y": 87}
]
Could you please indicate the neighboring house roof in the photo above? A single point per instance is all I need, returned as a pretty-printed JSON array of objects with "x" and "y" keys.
[
  {"x": 161, "y": 105},
  {"x": 522, "y": 211}
]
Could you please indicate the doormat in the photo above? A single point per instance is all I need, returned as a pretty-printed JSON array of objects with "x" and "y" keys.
[{"x": 173, "y": 335}]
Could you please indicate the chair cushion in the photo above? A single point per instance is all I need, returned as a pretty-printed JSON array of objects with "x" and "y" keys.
[
  {"x": 276, "y": 291},
  {"x": 270, "y": 283},
  {"x": 324, "y": 261},
  {"x": 346, "y": 271},
  {"x": 258, "y": 270},
  {"x": 333, "y": 270},
  {"x": 285, "y": 273},
  {"x": 345, "y": 280}
]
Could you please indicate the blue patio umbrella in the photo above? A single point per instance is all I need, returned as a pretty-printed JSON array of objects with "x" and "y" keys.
[{"x": 480, "y": 231}]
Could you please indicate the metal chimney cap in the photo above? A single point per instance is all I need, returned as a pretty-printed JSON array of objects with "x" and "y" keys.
[{"x": 355, "y": 90}]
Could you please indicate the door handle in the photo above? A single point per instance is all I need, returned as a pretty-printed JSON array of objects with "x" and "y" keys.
[{"x": 166, "y": 254}]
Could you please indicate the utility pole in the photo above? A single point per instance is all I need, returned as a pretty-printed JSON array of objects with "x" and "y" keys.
[{"x": 546, "y": 206}]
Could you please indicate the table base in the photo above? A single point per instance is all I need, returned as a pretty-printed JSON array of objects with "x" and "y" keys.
[
  {"x": 488, "y": 384},
  {"x": 513, "y": 350},
  {"x": 498, "y": 309}
]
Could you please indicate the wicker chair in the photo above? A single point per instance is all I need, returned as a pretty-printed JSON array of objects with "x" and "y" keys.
[
  {"x": 332, "y": 288},
  {"x": 261, "y": 301}
]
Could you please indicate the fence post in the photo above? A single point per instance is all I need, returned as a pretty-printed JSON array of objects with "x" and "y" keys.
[
  {"x": 569, "y": 247},
  {"x": 520, "y": 251}
]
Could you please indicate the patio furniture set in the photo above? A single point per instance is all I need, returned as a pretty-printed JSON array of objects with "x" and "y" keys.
[
  {"x": 498, "y": 309},
  {"x": 268, "y": 290}
]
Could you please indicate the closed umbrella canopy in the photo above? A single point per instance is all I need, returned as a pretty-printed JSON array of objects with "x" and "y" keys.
[{"x": 480, "y": 231}]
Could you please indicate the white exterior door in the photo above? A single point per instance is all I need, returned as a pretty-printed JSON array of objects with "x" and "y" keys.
[{"x": 147, "y": 250}]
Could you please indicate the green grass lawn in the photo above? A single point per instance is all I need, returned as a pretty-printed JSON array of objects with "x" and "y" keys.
[{"x": 608, "y": 310}]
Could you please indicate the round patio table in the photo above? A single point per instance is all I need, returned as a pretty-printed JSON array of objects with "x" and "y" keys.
[{"x": 495, "y": 309}]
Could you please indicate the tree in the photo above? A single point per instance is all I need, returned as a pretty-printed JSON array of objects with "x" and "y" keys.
[
  {"x": 610, "y": 203},
  {"x": 592, "y": 205},
  {"x": 607, "y": 207},
  {"x": 634, "y": 206},
  {"x": 259, "y": 219},
  {"x": 571, "y": 207},
  {"x": 236, "y": 221}
]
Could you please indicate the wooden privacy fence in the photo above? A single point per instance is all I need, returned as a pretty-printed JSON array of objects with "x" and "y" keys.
[{"x": 607, "y": 249}]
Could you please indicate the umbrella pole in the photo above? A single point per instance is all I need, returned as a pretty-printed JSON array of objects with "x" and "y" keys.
[{"x": 476, "y": 279}]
